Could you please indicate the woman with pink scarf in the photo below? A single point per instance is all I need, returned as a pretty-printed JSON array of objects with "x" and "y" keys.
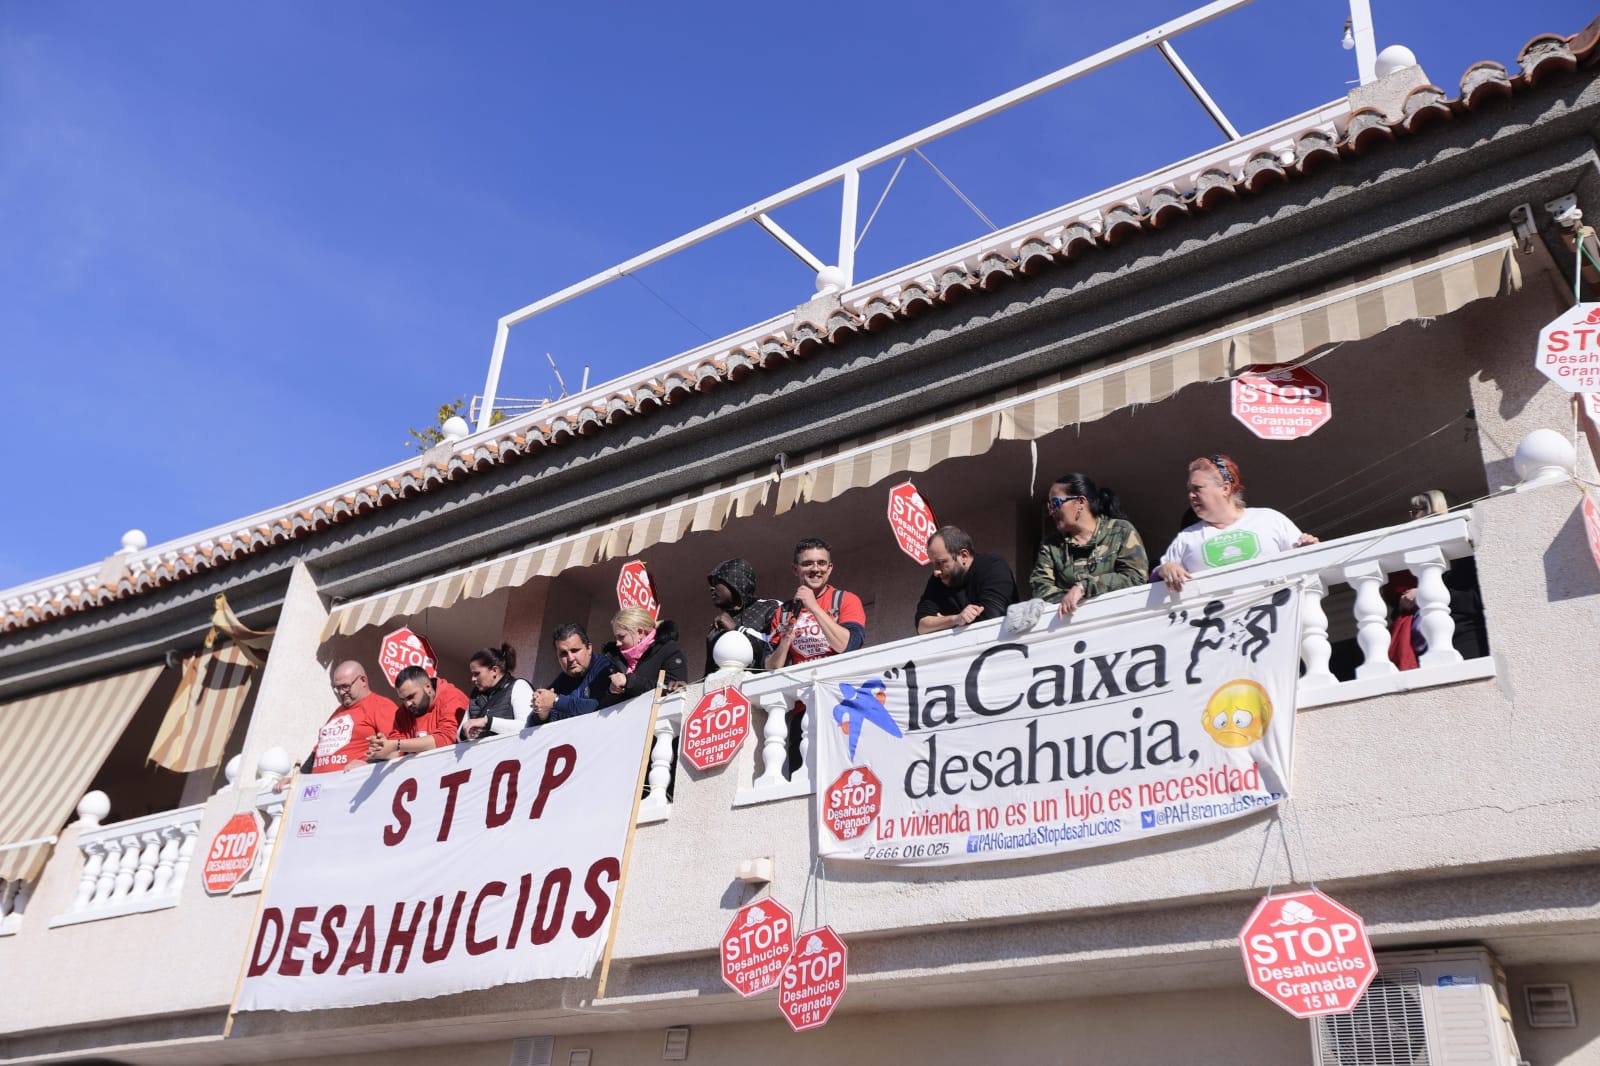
[{"x": 642, "y": 650}]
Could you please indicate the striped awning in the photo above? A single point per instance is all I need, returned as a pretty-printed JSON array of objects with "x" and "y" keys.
[
  {"x": 203, "y": 711},
  {"x": 1422, "y": 286},
  {"x": 626, "y": 535},
  {"x": 1425, "y": 285},
  {"x": 55, "y": 744}
]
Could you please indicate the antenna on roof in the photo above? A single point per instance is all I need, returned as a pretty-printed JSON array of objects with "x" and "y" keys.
[{"x": 557, "y": 371}]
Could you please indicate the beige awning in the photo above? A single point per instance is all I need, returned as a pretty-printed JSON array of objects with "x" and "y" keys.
[
  {"x": 203, "y": 711},
  {"x": 1422, "y": 286},
  {"x": 626, "y": 535},
  {"x": 55, "y": 744}
]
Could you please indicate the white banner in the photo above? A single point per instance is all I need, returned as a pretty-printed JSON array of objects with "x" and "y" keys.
[
  {"x": 486, "y": 865},
  {"x": 1068, "y": 738}
]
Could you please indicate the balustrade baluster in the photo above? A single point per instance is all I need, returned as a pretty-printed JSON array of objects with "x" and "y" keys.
[
  {"x": 1372, "y": 617},
  {"x": 1433, "y": 607},
  {"x": 171, "y": 840},
  {"x": 107, "y": 882},
  {"x": 805, "y": 745},
  {"x": 89, "y": 881},
  {"x": 659, "y": 775},
  {"x": 189, "y": 831},
  {"x": 1315, "y": 649},
  {"x": 774, "y": 736},
  {"x": 127, "y": 866},
  {"x": 272, "y": 815},
  {"x": 144, "y": 875}
]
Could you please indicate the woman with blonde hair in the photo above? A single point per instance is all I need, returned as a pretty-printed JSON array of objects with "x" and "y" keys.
[
  {"x": 1227, "y": 531},
  {"x": 642, "y": 650}
]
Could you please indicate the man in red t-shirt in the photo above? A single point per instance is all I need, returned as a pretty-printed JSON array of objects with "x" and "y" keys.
[
  {"x": 362, "y": 714},
  {"x": 821, "y": 620},
  {"x": 430, "y": 715}
]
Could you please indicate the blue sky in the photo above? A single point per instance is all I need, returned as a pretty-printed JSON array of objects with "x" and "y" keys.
[{"x": 246, "y": 246}]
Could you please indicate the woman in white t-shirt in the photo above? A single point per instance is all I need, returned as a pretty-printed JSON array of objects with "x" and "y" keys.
[{"x": 1227, "y": 532}]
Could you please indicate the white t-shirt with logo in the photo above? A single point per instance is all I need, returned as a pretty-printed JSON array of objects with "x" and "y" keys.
[{"x": 1258, "y": 533}]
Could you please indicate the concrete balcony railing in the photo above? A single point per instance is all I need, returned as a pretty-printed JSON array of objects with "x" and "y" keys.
[
  {"x": 1330, "y": 572},
  {"x": 133, "y": 866}
]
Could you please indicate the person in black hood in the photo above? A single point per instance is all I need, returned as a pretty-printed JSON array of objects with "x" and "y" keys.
[
  {"x": 733, "y": 593},
  {"x": 643, "y": 650}
]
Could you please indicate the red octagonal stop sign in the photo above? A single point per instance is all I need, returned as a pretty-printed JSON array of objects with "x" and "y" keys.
[
  {"x": 912, "y": 521},
  {"x": 636, "y": 589},
  {"x": 715, "y": 728},
  {"x": 851, "y": 803},
  {"x": 233, "y": 852},
  {"x": 1281, "y": 403},
  {"x": 813, "y": 979},
  {"x": 1569, "y": 349},
  {"x": 756, "y": 946},
  {"x": 403, "y": 648},
  {"x": 1307, "y": 953}
]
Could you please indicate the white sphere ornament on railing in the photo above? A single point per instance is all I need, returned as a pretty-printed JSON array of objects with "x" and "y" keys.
[
  {"x": 134, "y": 540},
  {"x": 1395, "y": 57},
  {"x": 732, "y": 652},
  {"x": 93, "y": 808},
  {"x": 455, "y": 428},
  {"x": 274, "y": 765},
  {"x": 830, "y": 279},
  {"x": 1544, "y": 457}
]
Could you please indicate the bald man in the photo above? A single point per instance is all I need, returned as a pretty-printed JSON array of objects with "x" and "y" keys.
[{"x": 362, "y": 714}]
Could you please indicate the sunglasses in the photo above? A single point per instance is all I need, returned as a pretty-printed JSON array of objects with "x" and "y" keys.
[{"x": 1055, "y": 503}]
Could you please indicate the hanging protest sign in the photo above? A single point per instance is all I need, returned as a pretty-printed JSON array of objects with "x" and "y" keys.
[
  {"x": 446, "y": 872},
  {"x": 1308, "y": 953},
  {"x": 403, "y": 648},
  {"x": 636, "y": 588},
  {"x": 911, "y": 520},
  {"x": 1063, "y": 739},
  {"x": 1569, "y": 349}
]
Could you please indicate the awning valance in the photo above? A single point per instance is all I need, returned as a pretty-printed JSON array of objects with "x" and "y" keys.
[
  {"x": 1425, "y": 285},
  {"x": 627, "y": 535},
  {"x": 55, "y": 744}
]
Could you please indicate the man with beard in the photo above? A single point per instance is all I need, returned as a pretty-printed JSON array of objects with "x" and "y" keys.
[
  {"x": 966, "y": 586},
  {"x": 430, "y": 712}
]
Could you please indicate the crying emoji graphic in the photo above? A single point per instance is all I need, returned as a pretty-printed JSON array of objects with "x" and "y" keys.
[{"x": 1237, "y": 714}]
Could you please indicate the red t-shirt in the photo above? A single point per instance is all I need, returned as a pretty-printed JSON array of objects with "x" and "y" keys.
[
  {"x": 809, "y": 641},
  {"x": 342, "y": 741},
  {"x": 442, "y": 720}
]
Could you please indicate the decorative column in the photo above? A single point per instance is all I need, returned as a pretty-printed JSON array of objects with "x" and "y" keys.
[
  {"x": 659, "y": 776},
  {"x": 1315, "y": 649},
  {"x": 1372, "y": 616},
  {"x": 774, "y": 736},
  {"x": 1433, "y": 607}
]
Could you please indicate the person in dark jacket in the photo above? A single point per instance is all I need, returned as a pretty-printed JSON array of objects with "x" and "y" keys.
[
  {"x": 967, "y": 586},
  {"x": 643, "y": 650},
  {"x": 496, "y": 693},
  {"x": 576, "y": 690},
  {"x": 739, "y": 610}
]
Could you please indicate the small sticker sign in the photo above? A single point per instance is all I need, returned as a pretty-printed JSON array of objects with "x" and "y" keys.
[
  {"x": 1281, "y": 403},
  {"x": 1307, "y": 953},
  {"x": 912, "y": 521},
  {"x": 814, "y": 978},
  {"x": 232, "y": 854},
  {"x": 1569, "y": 349},
  {"x": 636, "y": 589},
  {"x": 403, "y": 648},
  {"x": 756, "y": 946},
  {"x": 715, "y": 728}
]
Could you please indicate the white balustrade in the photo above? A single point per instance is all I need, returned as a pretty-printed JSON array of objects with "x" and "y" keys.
[
  {"x": 1365, "y": 561},
  {"x": 133, "y": 866}
]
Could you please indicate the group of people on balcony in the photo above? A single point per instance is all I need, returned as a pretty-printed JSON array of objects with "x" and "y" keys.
[{"x": 1090, "y": 548}]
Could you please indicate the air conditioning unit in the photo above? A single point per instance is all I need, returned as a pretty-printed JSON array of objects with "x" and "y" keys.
[{"x": 1441, "y": 1007}]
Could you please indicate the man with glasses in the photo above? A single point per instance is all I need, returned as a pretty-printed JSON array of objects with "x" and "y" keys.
[
  {"x": 362, "y": 714},
  {"x": 821, "y": 620}
]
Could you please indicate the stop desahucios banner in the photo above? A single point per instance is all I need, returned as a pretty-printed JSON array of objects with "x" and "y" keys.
[
  {"x": 1072, "y": 737},
  {"x": 457, "y": 870}
]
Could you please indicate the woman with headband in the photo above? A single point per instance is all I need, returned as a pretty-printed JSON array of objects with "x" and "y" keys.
[{"x": 1227, "y": 532}]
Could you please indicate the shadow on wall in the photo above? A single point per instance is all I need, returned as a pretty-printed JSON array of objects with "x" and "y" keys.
[{"x": 1569, "y": 570}]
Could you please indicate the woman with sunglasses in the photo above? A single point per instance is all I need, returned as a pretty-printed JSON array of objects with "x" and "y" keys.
[
  {"x": 1092, "y": 549},
  {"x": 1227, "y": 532}
]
